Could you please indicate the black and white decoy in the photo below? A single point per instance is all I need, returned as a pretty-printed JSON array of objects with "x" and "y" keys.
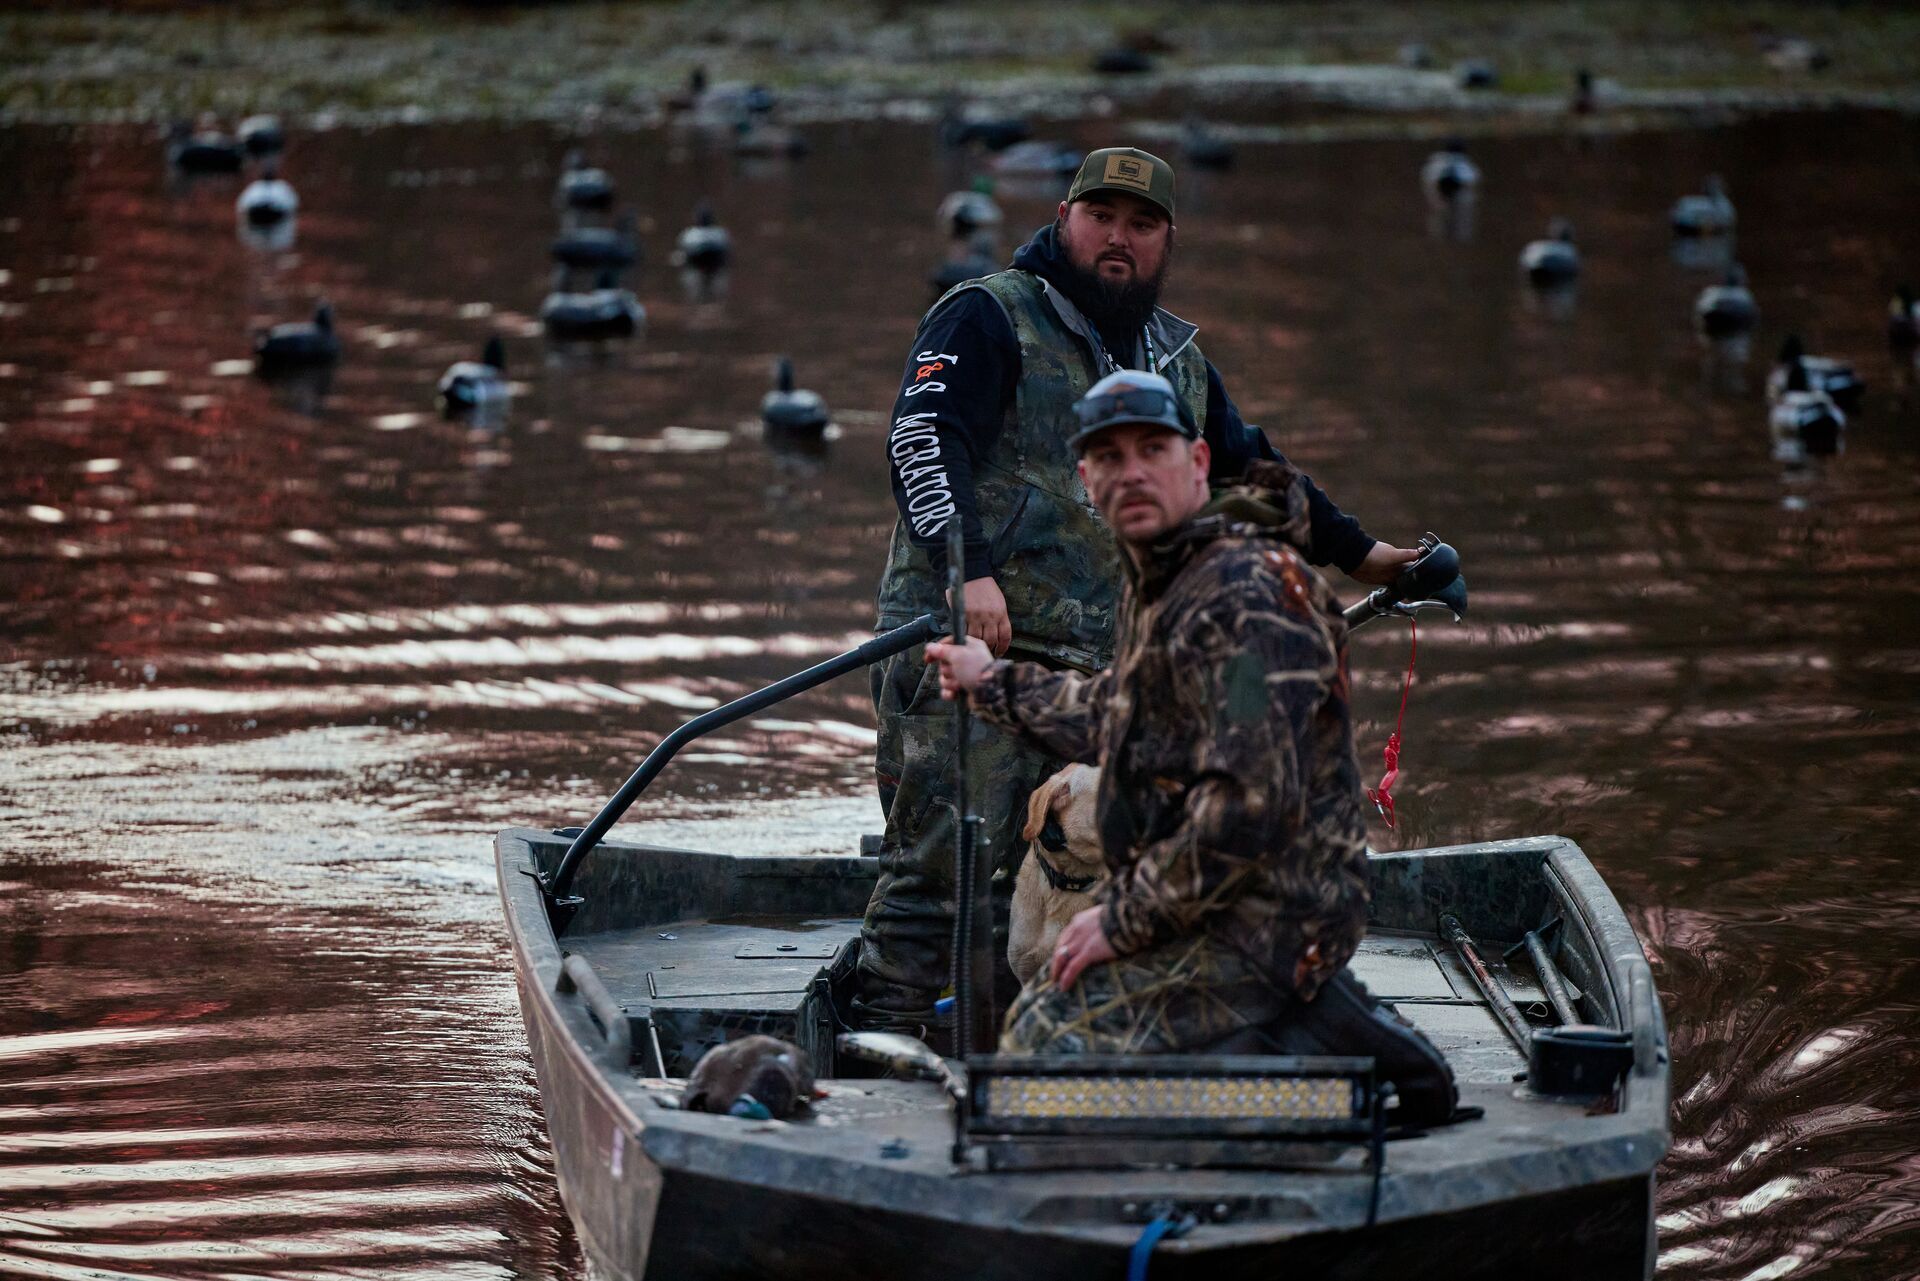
[
  {"x": 1204, "y": 147},
  {"x": 1476, "y": 74},
  {"x": 476, "y": 384},
  {"x": 790, "y": 409},
  {"x": 594, "y": 248},
  {"x": 964, "y": 212},
  {"x": 995, "y": 133},
  {"x": 268, "y": 200},
  {"x": 203, "y": 150},
  {"x": 581, "y": 186},
  {"x": 261, "y": 135},
  {"x": 756, "y": 1078},
  {"x": 300, "y": 344},
  {"x": 1727, "y": 308},
  {"x": 1122, "y": 60},
  {"x": 1818, "y": 373},
  {"x": 754, "y": 135},
  {"x": 1038, "y": 157},
  {"x": 1448, "y": 173},
  {"x": 980, "y": 259},
  {"x": 1804, "y": 420},
  {"x": 1708, "y": 213},
  {"x": 1555, "y": 260},
  {"x": 704, "y": 247},
  {"x": 605, "y": 311}
]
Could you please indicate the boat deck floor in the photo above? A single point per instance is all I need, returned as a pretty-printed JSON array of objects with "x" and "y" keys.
[{"x": 750, "y": 965}]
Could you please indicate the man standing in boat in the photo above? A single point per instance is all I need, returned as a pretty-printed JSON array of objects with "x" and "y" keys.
[
  {"x": 980, "y": 435},
  {"x": 1230, "y": 808}
]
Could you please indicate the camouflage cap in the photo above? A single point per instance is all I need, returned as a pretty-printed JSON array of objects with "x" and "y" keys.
[{"x": 1125, "y": 169}]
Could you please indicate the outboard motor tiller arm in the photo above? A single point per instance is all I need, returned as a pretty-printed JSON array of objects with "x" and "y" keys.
[{"x": 1434, "y": 581}]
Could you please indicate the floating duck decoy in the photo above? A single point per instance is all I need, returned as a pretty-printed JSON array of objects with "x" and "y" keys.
[
  {"x": 1805, "y": 420},
  {"x": 1415, "y": 56},
  {"x": 964, "y": 212},
  {"x": 1726, "y": 308},
  {"x": 582, "y": 187},
  {"x": 594, "y": 248},
  {"x": 261, "y": 135},
  {"x": 757, "y": 1078},
  {"x": 1819, "y": 373},
  {"x": 1476, "y": 74},
  {"x": 993, "y": 133},
  {"x": 297, "y": 344},
  {"x": 605, "y": 311},
  {"x": 268, "y": 200},
  {"x": 475, "y": 384},
  {"x": 1552, "y": 261},
  {"x": 760, "y": 137},
  {"x": 202, "y": 151},
  {"x": 1038, "y": 158},
  {"x": 1122, "y": 61},
  {"x": 1903, "y": 319},
  {"x": 1448, "y": 173},
  {"x": 1795, "y": 53},
  {"x": 1203, "y": 147},
  {"x": 790, "y": 409},
  {"x": 1704, "y": 214},
  {"x": 704, "y": 247},
  {"x": 979, "y": 260}
]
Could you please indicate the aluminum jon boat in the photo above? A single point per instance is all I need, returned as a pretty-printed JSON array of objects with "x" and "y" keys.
[{"x": 632, "y": 963}]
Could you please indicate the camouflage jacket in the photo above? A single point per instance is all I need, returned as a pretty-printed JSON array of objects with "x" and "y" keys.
[{"x": 1230, "y": 798}]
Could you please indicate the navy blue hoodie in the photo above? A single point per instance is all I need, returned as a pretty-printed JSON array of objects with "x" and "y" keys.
[{"x": 970, "y": 410}]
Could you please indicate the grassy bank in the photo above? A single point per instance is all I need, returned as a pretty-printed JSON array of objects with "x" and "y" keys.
[{"x": 558, "y": 61}]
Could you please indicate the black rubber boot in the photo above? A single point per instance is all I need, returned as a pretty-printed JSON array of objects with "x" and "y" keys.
[{"x": 1344, "y": 1018}]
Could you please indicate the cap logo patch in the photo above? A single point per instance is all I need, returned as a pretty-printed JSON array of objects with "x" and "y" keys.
[{"x": 1125, "y": 171}]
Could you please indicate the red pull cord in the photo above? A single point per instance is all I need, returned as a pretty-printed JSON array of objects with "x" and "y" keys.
[{"x": 1382, "y": 796}]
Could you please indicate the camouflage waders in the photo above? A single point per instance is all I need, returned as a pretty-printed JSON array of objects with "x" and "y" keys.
[
  {"x": 1058, "y": 566},
  {"x": 1179, "y": 998}
]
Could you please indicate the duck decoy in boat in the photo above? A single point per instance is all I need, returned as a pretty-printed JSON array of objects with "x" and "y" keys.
[
  {"x": 581, "y": 186},
  {"x": 1448, "y": 173},
  {"x": 1555, "y": 260},
  {"x": 261, "y": 135},
  {"x": 596, "y": 248},
  {"x": 1819, "y": 373},
  {"x": 979, "y": 260},
  {"x": 202, "y": 151},
  {"x": 1708, "y": 213},
  {"x": 1804, "y": 420},
  {"x": 1903, "y": 319},
  {"x": 756, "y": 1078},
  {"x": 705, "y": 246},
  {"x": 1476, "y": 74},
  {"x": 1038, "y": 157},
  {"x": 790, "y": 409},
  {"x": 297, "y": 344},
  {"x": 1726, "y": 308},
  {"x": 268, "y": 200},
  {"x": 1203, "y": 147},
  {"x": 605, "y": 311},
  {"x": 964, "y": 212},
  {"x": 475, "y": 384}
]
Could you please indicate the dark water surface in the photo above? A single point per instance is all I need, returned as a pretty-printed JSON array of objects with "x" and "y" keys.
[{"x": 272, "y": 668}]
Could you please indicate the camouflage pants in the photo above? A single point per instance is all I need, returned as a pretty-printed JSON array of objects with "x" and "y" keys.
[
  {"x": 906, "y": 942},
  {"x": 1178, "y": 998}
]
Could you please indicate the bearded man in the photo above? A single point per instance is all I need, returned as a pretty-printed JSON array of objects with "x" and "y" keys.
[{"x": 981, "y": 434}]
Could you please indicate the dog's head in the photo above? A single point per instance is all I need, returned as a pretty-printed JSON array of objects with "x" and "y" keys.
[{"x": 1060, "y": 817}]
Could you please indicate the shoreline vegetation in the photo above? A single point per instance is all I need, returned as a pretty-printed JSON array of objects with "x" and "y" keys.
[{"x": 1319, "y": 69}]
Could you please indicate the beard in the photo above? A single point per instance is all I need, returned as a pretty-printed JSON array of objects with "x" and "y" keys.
[{"x": 1114, "y": 306}]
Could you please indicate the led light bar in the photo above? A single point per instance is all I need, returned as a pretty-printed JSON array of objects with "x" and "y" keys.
[{"x": 1120, "y": 1097}]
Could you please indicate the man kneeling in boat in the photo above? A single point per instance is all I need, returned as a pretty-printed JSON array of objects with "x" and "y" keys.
[{"x": 1230, "y": 798}]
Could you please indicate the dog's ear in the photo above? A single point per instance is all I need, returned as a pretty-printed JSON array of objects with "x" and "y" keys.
[{"x": 1040, "y": 804}]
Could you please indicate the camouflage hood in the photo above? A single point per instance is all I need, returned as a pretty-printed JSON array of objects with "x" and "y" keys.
[{"x": 1269, "y": 502}]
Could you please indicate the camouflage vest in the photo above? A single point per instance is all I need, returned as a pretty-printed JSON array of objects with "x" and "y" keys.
[{"x": 1053, "y": 557}]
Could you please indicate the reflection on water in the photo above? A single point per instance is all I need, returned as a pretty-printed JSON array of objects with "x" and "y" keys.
[{"x": 274, "y": 661}]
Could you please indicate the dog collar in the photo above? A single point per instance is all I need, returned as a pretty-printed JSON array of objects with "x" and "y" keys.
[{"x": 1057, "y": 878}]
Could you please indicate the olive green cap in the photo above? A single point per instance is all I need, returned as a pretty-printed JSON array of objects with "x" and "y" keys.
[{"x": 1125, "y": 169}]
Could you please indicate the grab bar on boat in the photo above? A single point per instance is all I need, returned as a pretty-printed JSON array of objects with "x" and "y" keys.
[
  {"x": 576, "y": 975},
  {"x": 561, "y": 906}
]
